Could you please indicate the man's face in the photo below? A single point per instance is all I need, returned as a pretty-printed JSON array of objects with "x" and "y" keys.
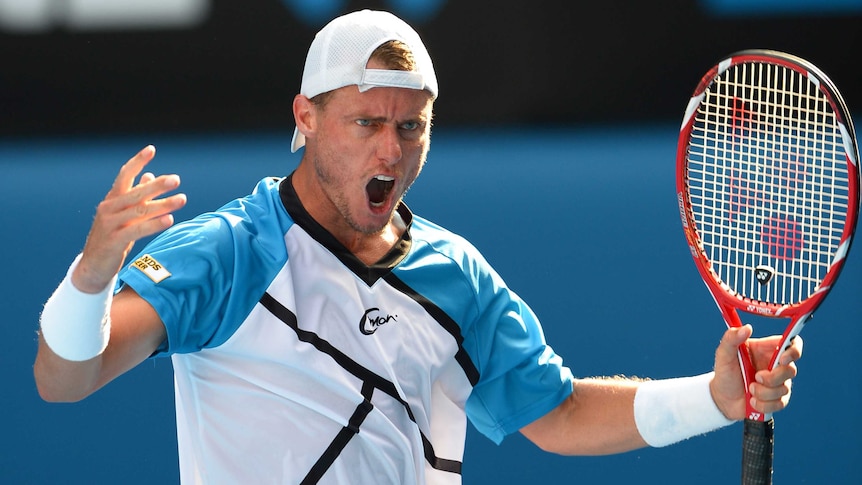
[{"x": 368, "y": 148}]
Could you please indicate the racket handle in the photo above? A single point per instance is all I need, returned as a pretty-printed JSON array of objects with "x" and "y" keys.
[{"x": 757, "y": 446}]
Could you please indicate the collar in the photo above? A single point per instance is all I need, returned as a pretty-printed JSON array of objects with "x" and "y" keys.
[{"x": 369, "y": 274}]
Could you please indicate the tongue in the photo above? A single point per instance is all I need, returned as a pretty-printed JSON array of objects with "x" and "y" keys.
[{"x": 377, "y": 190}]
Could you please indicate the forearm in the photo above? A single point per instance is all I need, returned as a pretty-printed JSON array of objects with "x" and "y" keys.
[
  {"x": 614, "y": 415},
  {"x": 75, "y": 329},
  {"x": 61, "y": 380},
  {"x": 136, "y": 331},
  {"x": 596, "y": 419}
]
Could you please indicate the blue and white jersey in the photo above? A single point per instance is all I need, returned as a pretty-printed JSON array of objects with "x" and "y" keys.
[{"x": 295, "y": 362}]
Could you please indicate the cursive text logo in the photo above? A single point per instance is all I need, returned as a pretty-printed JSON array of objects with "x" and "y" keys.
[{"x": 373, "y": 319}]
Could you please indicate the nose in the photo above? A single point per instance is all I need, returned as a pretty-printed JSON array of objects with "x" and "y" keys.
[{"x": 389, "y": 145}]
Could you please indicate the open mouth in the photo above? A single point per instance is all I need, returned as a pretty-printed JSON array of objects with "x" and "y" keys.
[{"x": 379, "y": 188}]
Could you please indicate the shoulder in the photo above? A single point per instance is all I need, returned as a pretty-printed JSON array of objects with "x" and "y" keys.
[
  {"x": 241, "y": 232},
  {"x": 440, "y": 259},
  {"x": 257, "y": 216},
  {"x": 444, "y": 241},
  {"x": 263, "y": 205}
]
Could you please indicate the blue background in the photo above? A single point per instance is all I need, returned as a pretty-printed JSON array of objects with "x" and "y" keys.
[{"x": 581, "y": 222}]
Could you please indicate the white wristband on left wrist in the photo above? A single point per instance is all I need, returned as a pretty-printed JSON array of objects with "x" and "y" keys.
[{"x": 672, "y": 410}]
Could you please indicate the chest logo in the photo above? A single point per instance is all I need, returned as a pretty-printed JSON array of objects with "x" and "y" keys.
[{"x": 373, "y": 319}]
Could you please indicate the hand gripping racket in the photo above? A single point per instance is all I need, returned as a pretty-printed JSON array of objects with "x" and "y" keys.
[{"x": 768, "y": 192}]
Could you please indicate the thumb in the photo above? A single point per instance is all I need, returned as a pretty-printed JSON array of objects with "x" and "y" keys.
[
  {"x": 728, "y": 386},
  {"x": 727, "y": 352},
  {"x": 738, "y": 335}
]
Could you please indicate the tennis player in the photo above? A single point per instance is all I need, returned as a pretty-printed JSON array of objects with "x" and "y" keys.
[{"x": 320, "y": 332}]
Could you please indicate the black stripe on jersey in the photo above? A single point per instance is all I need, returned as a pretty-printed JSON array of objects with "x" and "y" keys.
[
  {"x": 444, "y": 320},
  {"x": 344, "y": 436},
  {"x": 381, "y": 269},
  {"x": 437, "y": 463},
  {"x": 370, "y": 381}
]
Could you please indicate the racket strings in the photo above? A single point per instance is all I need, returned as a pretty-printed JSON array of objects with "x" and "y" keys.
[{"x": 768, "y": 182}]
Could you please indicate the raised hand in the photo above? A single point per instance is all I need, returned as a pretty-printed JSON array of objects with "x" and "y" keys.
[{"x": 128, "y": 212}]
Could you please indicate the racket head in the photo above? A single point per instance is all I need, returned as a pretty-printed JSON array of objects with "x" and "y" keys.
[{"x": 768, "y": 183}]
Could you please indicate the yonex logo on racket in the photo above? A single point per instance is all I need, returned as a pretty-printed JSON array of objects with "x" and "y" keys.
[
  {"x": 763, "y": 273},
  {"x": 760, "y": 310}
]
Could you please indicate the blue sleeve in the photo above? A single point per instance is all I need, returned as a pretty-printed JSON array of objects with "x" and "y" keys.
[
  {"x": 191, "y": 301},
  {"x": 520, "y": 377},
  {"x": 220, "y": 264}
]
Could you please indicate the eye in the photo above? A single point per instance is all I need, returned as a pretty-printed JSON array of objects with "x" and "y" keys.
[
  {"x": 410, "y": 125},
  {"x": 363, "y": 122}
]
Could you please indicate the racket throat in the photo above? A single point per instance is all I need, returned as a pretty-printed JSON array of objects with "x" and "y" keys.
[{"x": 748, "y": 371}]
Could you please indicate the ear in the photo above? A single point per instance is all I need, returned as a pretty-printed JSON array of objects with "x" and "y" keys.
[{"x": 303, "y": 115}]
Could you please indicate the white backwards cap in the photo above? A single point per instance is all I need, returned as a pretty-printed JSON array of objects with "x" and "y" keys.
[{"x": 340, "y": 51}]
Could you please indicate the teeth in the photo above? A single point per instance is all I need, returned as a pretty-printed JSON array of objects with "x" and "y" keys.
[{"x": 378, "y": 189}]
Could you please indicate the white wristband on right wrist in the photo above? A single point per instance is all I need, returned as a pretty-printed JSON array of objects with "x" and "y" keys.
[
  {"x": 672, "y": 410},
  {"x": 77, "y": 325}
]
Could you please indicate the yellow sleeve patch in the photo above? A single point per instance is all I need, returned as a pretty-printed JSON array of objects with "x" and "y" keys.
[{"x": 152, "y": 268}]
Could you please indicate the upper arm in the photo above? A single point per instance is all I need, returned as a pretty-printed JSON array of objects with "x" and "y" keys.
[
  {"x": 136, "y": 333},
  {"x": 596, "y": 419}
]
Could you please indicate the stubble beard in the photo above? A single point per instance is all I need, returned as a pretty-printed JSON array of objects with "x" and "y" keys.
[{"x": 331, "y": 183}]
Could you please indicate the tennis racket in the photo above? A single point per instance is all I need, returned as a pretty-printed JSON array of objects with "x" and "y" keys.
[{"x": 768, "y": 192}]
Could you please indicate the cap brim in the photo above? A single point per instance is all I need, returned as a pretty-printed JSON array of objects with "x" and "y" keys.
[{"x": 298, "y": 141}]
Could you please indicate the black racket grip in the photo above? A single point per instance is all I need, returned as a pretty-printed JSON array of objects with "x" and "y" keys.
[{"x": 757, "y": 449}]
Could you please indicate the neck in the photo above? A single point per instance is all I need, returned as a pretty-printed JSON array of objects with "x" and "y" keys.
[
  {"x": 371, "y": 248},
  {"x": 367, "y": 247}
]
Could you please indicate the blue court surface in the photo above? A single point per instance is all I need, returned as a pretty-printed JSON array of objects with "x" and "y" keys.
[{"x": 583, "y": 223}]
